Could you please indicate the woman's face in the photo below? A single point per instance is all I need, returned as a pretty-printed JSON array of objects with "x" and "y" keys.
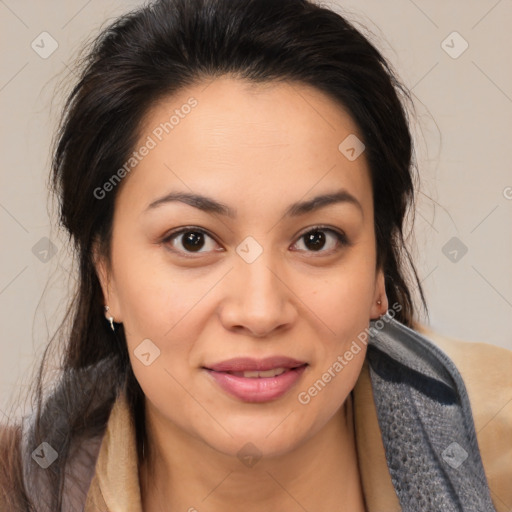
[{"x": 256, "y": 278}]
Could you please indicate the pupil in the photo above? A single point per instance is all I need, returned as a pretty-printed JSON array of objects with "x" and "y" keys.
[
  {"x": 316, "y": 239},
  {"x": 193, "y": 240}
]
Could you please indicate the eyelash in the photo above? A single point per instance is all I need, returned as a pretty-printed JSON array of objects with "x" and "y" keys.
[{"x": 341, "y": 238}]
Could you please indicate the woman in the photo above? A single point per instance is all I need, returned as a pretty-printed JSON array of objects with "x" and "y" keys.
[{"x": 234, "y": 177}]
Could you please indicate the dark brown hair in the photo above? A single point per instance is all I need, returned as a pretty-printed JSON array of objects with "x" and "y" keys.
[{"x": 142, "y": 57}]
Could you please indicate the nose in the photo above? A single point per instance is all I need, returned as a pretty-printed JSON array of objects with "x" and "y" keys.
[{"x": 259, "y": 301}]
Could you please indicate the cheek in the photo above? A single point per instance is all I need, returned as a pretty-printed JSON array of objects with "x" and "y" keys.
[
  {"x": 342, "y": 303},
  {"x": 340, "y": 351},
  {"x": 167, "y": 308},
  {"x": 153, "y": 295},
  {"x": 343, "y": 300}
]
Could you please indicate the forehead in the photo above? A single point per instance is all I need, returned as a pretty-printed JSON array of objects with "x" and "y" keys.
[{"x": 263, "y": 140}]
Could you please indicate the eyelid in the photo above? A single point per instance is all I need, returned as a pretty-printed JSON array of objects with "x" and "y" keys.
[
  {"x": 339, "y": 234},
  {"x": 180, "y": 231}
]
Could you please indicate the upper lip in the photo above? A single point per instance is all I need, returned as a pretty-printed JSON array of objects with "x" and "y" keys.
[{"x": 241, "y": 364}]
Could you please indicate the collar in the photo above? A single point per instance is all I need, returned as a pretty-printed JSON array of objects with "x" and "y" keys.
[{"x": 115, "y": 485}]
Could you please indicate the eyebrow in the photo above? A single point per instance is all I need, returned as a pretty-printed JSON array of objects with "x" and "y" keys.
[{"x": 210, "y": 205}]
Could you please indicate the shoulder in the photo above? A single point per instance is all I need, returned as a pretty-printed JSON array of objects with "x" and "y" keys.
[
  {"x": 10, "y": 476},
  {"x": 9, "y": 434},
  {"x": 487, "y": 374},
  {"x": 486, "y": 371}
]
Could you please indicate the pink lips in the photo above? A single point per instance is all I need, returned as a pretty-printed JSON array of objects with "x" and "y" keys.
[{"x": 228, "y": 374}]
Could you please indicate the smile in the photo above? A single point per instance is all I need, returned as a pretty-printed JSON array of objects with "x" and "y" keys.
[{"x": 258, "y": 386}]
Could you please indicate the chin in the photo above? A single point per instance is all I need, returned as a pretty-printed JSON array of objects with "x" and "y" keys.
[
  {"x": 257, "y": 437},
  {"x": 249, "y": 450}
]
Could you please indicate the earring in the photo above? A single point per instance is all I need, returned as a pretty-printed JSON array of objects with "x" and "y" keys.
[
  {"x": 109, "y": 318},
  {"x": 379, "y": 302}
]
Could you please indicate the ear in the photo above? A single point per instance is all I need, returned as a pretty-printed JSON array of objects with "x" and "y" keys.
[
  {"x": 105, "y": 277},
  {"x": 376, "y": 309}
]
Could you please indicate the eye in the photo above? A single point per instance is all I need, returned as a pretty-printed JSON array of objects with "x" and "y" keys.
[
  {"x": 315, "y": 240},
  {"x": 193, "y": 241}
]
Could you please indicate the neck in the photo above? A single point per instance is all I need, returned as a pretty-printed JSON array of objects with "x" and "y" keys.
[{"x": 321, "y": 474}]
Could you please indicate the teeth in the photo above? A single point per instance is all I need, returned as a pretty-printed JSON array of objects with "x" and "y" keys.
[{"x": 267, "y": 373}]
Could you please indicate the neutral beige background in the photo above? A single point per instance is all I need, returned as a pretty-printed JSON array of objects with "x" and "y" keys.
[{"x": 463, "y": 131}]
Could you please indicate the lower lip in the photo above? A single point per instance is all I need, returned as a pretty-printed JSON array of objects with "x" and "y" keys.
[{"x": 257, "y": 389}]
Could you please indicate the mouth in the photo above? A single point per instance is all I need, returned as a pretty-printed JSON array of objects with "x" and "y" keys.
[
  {"x": 254, "y": 374},
  {"x": 246, "y": 364},
  {"x": 257, "y": 381}
]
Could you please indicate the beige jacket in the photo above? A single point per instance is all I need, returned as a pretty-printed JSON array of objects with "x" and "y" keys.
[{"x": 487, "y": 373}]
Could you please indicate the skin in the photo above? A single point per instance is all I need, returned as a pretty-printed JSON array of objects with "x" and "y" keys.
[{"x": 258, "y": 149}]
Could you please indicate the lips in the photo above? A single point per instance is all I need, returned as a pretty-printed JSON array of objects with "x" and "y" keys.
[
  {"x": 257, "y": 380},
  {"x": 247, "y": 364}
]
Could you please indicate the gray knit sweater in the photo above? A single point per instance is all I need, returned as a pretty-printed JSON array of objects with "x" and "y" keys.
[
  {"x": 422, "y": 407},
  {"x": 426, "y": 423}
]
